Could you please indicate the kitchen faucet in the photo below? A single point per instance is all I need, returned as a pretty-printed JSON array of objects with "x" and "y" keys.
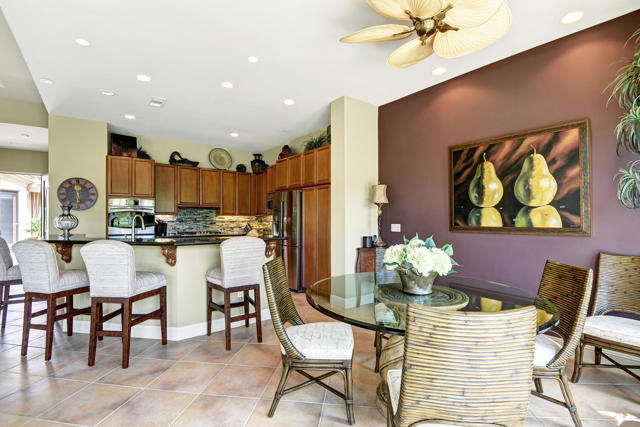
[{"x": 133, "y": 226}]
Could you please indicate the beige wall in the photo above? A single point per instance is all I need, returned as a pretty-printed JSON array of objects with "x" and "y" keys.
[
  {"x": 297, "y": 145},
  {"x": 77, "y": 148},
  {"x": 23, "y": 113},
  {"x": 23, "y": 161},
  {"x": 354, "y": 168}
]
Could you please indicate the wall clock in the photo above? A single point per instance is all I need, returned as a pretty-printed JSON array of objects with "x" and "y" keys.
[{"x": 78, "y": 193}]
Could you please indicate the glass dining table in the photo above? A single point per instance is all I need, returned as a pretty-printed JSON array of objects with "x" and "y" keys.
[{"x": 376, "y": 301}]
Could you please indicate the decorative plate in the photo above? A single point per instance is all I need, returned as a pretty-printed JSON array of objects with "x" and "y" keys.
[
  {"x": 79, "y": 193},
  {"x": 220, "y": 158}
]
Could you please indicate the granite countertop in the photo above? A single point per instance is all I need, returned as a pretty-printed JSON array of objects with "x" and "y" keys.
[{"x": 157, "y": 241}]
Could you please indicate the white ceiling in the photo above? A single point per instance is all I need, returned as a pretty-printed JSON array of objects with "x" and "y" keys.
[
  {"x": 189, "y": 48},
  {"x": 24, "y": 137}
]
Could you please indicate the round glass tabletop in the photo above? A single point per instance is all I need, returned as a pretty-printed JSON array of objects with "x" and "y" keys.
[{"x": 375, "y": 300}]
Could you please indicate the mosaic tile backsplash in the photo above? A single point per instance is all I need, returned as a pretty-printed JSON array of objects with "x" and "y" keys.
[{"x": 206, "y": 220}]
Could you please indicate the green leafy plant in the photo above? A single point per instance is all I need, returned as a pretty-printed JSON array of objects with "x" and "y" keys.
[
  {"x": 34, "y": 226},
  {"x": 628, "y": 191},
  {"x": 315, "y": 142},
  {"x": 628, "y": 130}
]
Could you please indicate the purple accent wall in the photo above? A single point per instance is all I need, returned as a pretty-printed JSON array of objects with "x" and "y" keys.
[{"x": 554, "y": 83}]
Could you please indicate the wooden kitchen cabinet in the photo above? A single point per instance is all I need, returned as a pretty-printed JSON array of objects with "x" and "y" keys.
[
  {"x": 271, "y": 179},
  {"x": 130, "y": 177},
  {"x": 309, "y": 168},
  {"x": 323, "y": 242},
  {"x": 259, "y": 194},
  {"x": 209, "y": 187},
  {"x": 144, "y": 182},
  {"x": 228, "y": 188},
  {"x": 188, "y": 186},
  {"x": 166, "y": 189},
  {"x": 243, "y": 193},
  {"x": 294, "y": 172},
  {"x": 281, "y": 175},
  {"x": 323, "y": 165},
  {"x": 316, "y": 208}
]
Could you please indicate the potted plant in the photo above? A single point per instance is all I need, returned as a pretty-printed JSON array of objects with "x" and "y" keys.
[{"x": 418, "y": 262}]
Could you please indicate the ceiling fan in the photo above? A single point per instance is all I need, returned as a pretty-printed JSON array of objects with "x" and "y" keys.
[{"x": 448, "y": 28}]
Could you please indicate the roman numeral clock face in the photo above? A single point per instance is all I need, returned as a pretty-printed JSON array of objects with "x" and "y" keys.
[{"x": 78, "y": 193}]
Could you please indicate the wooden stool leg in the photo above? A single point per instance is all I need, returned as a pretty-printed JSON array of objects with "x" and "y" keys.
[
  {"x": 100, "y": 327},
  {"x": 227, "y": 319},
  {"x": 246, "y": 308},
  {"x": 4, "y": 304},
  {"x": 163, "y": 315},
  {"x": 93, "y": 339},
  {"x": 51, "y": 316},
  {"x": 256, "y": 298},
  {"x": 70, "y": 318},
  {"x": 126, "y": 333},
  {"x": 209, "y": 309},
  {"x": 26, "y": 322}
]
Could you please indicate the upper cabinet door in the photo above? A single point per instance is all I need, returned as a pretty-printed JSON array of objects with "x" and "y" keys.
[
  {"x": 119, "y": 173},
  {"x": 294, "y": 172},
  {"x": 323, "y": 165},
  {"x": 188, "y": 186},
  {"x": 166, "y": 189},
  {"x": 243, "y": 194},
  {"x": 260, "y": 195},
  {"x": 309, "y": 168},
  {"x": 143, "y": 178},
  {"x": 209, "y": 187},
  {"x": 228, "y": 193},
  {"x": 271, "y": 179},
  {"x": 281, "y": 175}
]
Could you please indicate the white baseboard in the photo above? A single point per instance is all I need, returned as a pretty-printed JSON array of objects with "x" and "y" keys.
[{"x": 174, "y": 333}]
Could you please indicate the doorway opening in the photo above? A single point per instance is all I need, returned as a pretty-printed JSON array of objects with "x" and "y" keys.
[{"x": 22, "y": 207}]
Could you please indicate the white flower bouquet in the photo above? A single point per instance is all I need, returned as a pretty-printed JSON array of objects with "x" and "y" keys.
[{"x": 418, "y": 262}]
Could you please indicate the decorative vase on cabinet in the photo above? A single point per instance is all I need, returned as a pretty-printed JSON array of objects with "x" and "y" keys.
[{"x": 257, "y": 164}]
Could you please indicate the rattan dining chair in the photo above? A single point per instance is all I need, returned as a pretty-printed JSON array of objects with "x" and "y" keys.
[
  {"x": 321, "y": 346},
  {"x": 617, "y": 290},
  {"x": 569, "y": 289},
  {"x": 463, "y": 368}
]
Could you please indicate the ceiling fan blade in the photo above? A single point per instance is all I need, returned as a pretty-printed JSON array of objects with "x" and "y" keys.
[
  {"x": 472, "y": 13},
  {"x": 451, "y": 44},
  {"x": 395, "y": 9},
  {"x": 410, "y": 53},
  {"x": 379, "y": 33}
]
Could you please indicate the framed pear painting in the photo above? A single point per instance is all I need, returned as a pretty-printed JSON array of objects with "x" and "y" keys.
[{"x": 534, "y": 182}]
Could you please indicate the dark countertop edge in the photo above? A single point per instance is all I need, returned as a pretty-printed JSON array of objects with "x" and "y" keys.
[{"x": 183, "y": 241}]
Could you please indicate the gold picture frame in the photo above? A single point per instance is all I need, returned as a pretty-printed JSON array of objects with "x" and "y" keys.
[{"x": 530, "y": 182}]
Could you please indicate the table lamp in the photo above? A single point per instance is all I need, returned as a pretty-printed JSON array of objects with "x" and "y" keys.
[{"x": 379, "y": 198}]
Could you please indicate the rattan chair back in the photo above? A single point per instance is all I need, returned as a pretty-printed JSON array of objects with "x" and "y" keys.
[
  {"x": 281, "y": 305},
  {"x": 618, "y": 286},
  {"x": 569, "y": 289},
  {"x": 466, "y": 367}
]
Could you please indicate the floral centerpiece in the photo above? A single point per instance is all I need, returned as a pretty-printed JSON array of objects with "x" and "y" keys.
[{"x": 418, "y": 262}]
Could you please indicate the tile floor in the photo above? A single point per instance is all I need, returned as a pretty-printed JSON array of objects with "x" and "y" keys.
[{"x": 196, "y": 382}]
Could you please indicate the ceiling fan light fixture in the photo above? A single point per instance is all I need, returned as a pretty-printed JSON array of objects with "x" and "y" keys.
[{"x": 572, "y": 17}]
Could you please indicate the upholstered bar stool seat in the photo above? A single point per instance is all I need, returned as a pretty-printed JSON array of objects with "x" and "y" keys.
[
  {"x": 112, "y": 270},
  {"x": 214, "y": 275},
  {"x": 9, "y": 275},
  {"x": 42, "y": 279},
  {"x": 614, "y": 328},
  {"x": 322, "y": 340}
]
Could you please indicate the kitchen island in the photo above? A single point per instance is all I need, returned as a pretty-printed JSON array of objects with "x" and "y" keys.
[{"x": 184, "y": 261}]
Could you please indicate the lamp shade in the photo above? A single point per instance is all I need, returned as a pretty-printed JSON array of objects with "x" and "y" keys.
[{"x": 379, "y": 194}]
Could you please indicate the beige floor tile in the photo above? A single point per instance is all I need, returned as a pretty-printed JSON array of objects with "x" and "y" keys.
[
  {"x": 38, "y": 366},
  {"x": 113, "y": 347},
  {"x": 4, "y": 347},
  {"x": 213, "y": 352},
  {"x": 174, "y": 350},
  {"x": 364, "y": 388},
  {"x": 216, "y": 410},
  {"x": 258, "y": 355},
  {"x": 336, "y": 415},
  {"x": 11, "y": 382},
  {"x": 80, "y": 370},
  {"x": 140, "y": 373},
  {"x": 567, "y": 422},
  {"x": 8, "y": 420},
  {"x": 243, "y": 381},
  {"x": 268, "y": 335},
  {"x": 605, "y": 376},
  {"x": 186, "y": 376},
  {"x": 149, "y": 408},
  {"x": 312, "y": 393},
  {"x": 39, "y": 396},
  {"x": 11, "y": 357},
  {"x": 45, "y": 423},
  {"x": 91, "y": 405},
  {"x": 239, "y": 334},
  {"x": 294, "y": 414}
]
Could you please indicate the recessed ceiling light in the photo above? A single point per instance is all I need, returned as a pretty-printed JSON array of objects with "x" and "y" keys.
[
  {"x": 25, "y": 135},
  {"x": 157, "y": 102},
  {"x": 143, "y": 78},
  {"x": 129, "y": 117},
  {"x": 572, "y": 17},
  {"x": 107, "y": 92},
  {"x": 227, "y": 85},
  {"x": 289, "y": 101},
  {"x": 46, "y": 81},
  {"x": 83, "y": 42},
  {"x": 234, "y": 134},
  {"x": 439, "y": 71},
  {"x": 252, "y": 59}
]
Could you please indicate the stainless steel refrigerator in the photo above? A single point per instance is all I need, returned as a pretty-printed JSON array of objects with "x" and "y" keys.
[{"x": 287, "y": 219}]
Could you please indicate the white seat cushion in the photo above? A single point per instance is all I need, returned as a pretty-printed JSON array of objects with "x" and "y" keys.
[
  {"x": 614, "y": 328},
  {"x": 546, "y": 349},
  {"x": 71, "y": 279},
  {"x": 322, "y": 340},
  {"x": 13, "y": 273},
  {"x": 214, "y": 275},
  {"x": 148, "y": 281},
  {"x": 394, "y": 378}
]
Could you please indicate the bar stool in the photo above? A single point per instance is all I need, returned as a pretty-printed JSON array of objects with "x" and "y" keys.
[
  {"x": 42, "y": 280},
  {"x": 112, "y": 272},
  {"x": 9, "y": 275},
  {"x": 241, "y": 260}
]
